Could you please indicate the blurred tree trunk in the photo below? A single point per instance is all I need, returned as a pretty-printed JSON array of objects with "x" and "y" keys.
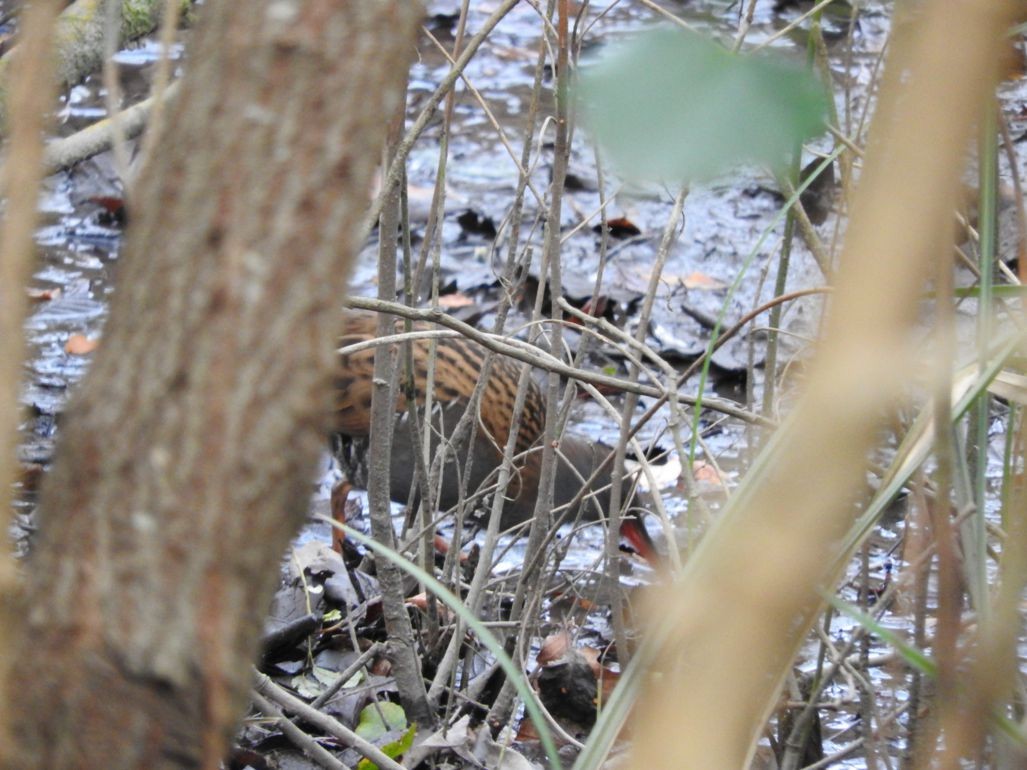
[{"x": 186, "y": 459}]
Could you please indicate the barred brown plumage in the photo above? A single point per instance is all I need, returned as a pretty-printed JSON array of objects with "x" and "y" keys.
[
  {"x": 459, "y": 363},
  {"x": 458, "y": 367}
]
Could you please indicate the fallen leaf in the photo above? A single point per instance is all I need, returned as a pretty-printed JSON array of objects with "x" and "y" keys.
[
  {"x": 418, "y": 601},
  {"x": 699, "y": 280},
  {"x": 378, "y": 718},
  {"x": 554, "y": 647},
  {"x": 527, "y": 732},
  {"x": 393, "y": 749},
  {"x": 591, "y": 654},
  {"x": 43, "y": 295},
  {"x": 705, "y": 473},
  {"x": 455, "y": 300},
  {"x": 80, "y": 345}
]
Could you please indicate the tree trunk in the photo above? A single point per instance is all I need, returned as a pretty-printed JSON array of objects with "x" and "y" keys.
[{"x": 186, "y": 459}]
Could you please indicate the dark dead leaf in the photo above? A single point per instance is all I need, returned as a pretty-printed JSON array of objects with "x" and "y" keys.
[
  {"x": 619, "y": 227},
  {"x": 818, "y": 198},
  {"x": 474, "y": 223},
  {"x": 568, "y": 689},
  {"x": 576, "y": 183}
]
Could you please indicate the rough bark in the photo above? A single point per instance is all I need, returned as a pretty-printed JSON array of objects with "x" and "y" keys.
[{"x": 185, "y": 462}]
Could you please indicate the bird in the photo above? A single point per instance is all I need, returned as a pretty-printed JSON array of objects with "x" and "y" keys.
[{"x": 458, "y": 367}]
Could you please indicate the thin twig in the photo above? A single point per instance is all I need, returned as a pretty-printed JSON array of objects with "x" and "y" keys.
[
  {"x": 293, "y": 705},
  {"x": 395, "y": 172},
  {"x": 299, "y": 739},
  {"x": 514, "y": 348}
]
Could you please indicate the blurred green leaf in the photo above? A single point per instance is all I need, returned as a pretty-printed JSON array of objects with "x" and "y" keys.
[
  {"x": 378, "y": 719},
  {"x": 669, "y": 105}
]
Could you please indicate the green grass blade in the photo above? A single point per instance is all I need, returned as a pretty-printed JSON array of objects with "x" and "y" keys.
[{"x": 453, "y": 602}]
